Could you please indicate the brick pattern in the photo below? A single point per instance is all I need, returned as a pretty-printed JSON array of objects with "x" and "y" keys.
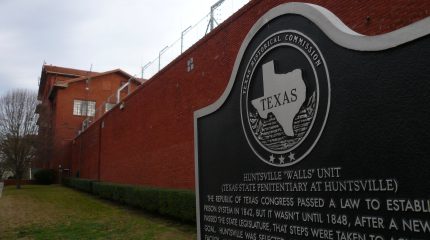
[
  {"x": 66, "y": 125},
  {"x": 12, "y": 182},
  {"x": 60, "y": 123},
  {"x": 150, "y": 140}
]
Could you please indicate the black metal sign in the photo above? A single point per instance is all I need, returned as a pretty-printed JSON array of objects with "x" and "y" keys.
[
  {"x": 321, "y": 134},
  {"x": 283, "y": 112}
]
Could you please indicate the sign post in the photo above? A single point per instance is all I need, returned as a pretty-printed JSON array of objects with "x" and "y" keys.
[{"x": 321, "y": 133}]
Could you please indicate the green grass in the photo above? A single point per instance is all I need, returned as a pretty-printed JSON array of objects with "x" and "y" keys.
[{"x": 56, "y": 212}]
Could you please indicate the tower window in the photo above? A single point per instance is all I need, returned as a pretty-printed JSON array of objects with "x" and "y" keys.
[{"x": 84, "y": 108}]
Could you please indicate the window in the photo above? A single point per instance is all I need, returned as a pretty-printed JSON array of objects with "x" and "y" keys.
[
  {"x": 84, "y": 108},
  {"x": 109, "y": 106},
  {"x": 190, "y": 65}
]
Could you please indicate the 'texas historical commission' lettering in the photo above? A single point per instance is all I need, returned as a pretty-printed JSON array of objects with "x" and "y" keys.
[{"x": 291, "y": 71}]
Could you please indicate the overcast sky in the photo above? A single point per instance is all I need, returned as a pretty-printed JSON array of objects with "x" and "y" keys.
[{"x": 106, "y": 34}]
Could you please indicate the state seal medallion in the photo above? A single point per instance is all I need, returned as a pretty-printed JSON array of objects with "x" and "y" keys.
[{"x": 285, "y": 97}]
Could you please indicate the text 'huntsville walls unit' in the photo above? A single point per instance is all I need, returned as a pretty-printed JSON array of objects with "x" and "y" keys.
[{"x": 321, "y": 133}]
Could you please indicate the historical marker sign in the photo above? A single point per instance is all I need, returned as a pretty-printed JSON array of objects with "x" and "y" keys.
[
  {"x": 283, "y": 112},
  {"x": 321, "y": 134}
]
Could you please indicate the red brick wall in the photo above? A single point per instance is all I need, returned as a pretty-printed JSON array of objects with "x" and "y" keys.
[
  {"x": 11, "y": 182},
  {"x": 150, "y": 141},
  {"x": 66, "y": 125},
  {"x": 84, "y": 156}
]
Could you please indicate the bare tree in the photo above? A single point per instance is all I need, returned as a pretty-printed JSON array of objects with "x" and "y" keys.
[
  {"x": 3, "y": 168},
  {"x": 44, "y": 143},
  {"x": 18, "y": 129}
]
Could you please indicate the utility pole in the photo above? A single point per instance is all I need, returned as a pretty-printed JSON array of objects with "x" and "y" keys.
[{"x": 87, "y": 81}]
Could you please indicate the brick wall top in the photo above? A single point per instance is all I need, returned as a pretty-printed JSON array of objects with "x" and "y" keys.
[{"x": 150, "y": 140}]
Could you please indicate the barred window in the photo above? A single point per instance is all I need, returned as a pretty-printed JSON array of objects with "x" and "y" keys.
[{"x": 84, "y": 108}]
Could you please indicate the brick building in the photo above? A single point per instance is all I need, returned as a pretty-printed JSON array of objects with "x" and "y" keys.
[
  {"x": 150, "y": 139},
  {"x": 68, "y": 97}
]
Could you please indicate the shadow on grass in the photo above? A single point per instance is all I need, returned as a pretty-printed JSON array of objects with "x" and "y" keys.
[
  {"x": 156, "y": 217},
  {"x": 55, "y": 212},
  {"x": 73, "y": 230}
]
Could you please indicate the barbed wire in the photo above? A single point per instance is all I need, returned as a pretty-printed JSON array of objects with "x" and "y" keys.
[
  {"x": 193, "y": 33},
  {"x": 190, "y": 37}
]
